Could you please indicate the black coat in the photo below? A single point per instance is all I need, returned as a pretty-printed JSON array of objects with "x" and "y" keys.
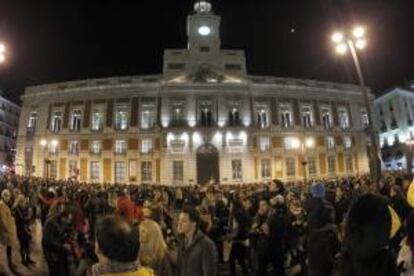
[
  {"x": 21, "y": 216},
  {"x": 199, "y": 258},
  {"x": 320, "y": 213},
  {"x": 278, "y": 223}
]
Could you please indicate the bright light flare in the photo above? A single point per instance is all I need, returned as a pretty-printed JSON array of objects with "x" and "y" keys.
[
  {"x": 337, "y": 37},
  {"x": 361, "y": 44},
  {"x": 55, "y": 143},
  {"x": 310, "y": 143},
  {"x": 358, "y": 32},
  {"x": 2, "y": 58},
  {"x": 341, "y": 48},
  {"x": 295, "y": 143},
  {"x": 2, "y": 48},
  {"x": 43, "y": 142}
]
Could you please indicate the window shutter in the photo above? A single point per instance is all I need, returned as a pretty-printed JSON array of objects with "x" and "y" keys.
[
  {"x": 87, "y": 114},
  {"x": 110, "y": 112},
  {"x": 107, "y": 144},
  {"x": 63, "y": 145},
  {"x": 317, "y": 113},
  {"x": 133, "y": 144},
  {"x": 157, "y": 144},
  {"x": 134, "y": 112},
  {"x": 335, "y": 114},
  {"x": 296, "y": 112},
  {"x": 274, "y": 112},
  {"x": 348, "y": 107},
  {"x": 84, "y": 145},
  {"x": 66, "y": 116},
  {"x": 321, "y": 141},
  {"x": 49, "y": 114}
]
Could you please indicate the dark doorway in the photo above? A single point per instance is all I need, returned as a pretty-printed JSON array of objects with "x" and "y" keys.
[{"x": 207, "y": 164}]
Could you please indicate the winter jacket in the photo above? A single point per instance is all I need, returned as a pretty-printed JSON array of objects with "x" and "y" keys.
[
  {"x": 7, "y": 225},
  {"x": 320, "y": 213},
  {"x": 22, "y": 223},
  {"x": 199, "y": 258},
  {"x": 53, "y": 240},
  {"x": 278, "y": 230}
]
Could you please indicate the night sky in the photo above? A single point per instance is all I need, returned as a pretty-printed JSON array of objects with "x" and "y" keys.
[{"x": 53, "y": 41}]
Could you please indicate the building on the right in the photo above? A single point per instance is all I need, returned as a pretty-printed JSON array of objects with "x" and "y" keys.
[{"x": 394, "y": 113}]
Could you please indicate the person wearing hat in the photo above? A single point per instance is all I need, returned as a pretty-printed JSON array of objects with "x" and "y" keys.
[
  {"x": 321, "y": 238},
  {"x": 365, "y": 250}
]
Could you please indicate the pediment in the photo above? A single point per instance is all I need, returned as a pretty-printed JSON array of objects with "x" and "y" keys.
[{"x": 205, "y": 74}]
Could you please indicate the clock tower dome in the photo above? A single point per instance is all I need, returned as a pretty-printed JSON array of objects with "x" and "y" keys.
[{"x": 203, "y": 31}]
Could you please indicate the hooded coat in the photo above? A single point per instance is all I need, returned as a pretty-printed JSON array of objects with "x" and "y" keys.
[{"x": 365, "y": 247}]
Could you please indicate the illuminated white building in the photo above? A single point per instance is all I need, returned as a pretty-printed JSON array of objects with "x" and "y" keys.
[
  {"x": 203, "y": 119},
  {"x": 394, "y": 112}
]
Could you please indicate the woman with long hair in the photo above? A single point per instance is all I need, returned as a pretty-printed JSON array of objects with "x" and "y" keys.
[
  {"x": 153, "y": 251},
  {"x": 23, "y": 216}
]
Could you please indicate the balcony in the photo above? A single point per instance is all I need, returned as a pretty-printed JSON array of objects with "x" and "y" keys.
[
  {"x": 120, "y": 152},
  {"x": 95, "y": 152},
  {"x": 74, "y": 152},
  {"x": 30, "y": 130}
]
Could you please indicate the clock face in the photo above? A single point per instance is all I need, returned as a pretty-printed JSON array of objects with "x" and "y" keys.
[{"x": 204, "y": 30}]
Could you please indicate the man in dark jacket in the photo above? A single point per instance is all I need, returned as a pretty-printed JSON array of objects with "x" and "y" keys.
[
  {"x": 322, "y": 235},
  {"x": 55, "y": 250},
  {"x": 276, "y": 228},
  {"x": 197, "y": 254}
]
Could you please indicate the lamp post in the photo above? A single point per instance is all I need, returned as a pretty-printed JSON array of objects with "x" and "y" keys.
[
  {"x": 308, "y": 143},
  {"x": 303, "y": 145},
  {"x": 410, "y": 143},
  {"x": 353, "y": 41}
]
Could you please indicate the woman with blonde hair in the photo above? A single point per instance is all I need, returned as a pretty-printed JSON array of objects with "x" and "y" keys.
[
  {"x": 153, "y": 251},
  {"x": 23, "y": 216}
]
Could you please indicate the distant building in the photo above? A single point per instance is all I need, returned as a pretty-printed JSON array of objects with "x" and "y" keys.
[
  {"x": 394, "y": 113},
  {"x": 204, "y": 119},
  {"x": 9, "y": 118}
]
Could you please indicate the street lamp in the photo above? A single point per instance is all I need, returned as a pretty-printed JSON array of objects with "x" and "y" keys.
[
  {"x": 353, "y": 41},
  {"x": 410, "y": 143},
  {"x": 303, "y": 145},
  {"x": 2, "y": 53},
  {"x": 308, "y": 143}
]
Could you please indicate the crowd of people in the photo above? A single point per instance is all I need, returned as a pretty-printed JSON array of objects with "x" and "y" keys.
[{"x": 349, "y": 226}]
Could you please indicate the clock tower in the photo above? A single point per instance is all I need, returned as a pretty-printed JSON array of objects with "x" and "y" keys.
[{"x": 203, "y": 31}]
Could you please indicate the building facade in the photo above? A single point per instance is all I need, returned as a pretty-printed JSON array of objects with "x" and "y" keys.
[
  {"x": 9, "y": 118},
  {"x": 204, "y": 119},
  {"x": 394, "y": 113}
]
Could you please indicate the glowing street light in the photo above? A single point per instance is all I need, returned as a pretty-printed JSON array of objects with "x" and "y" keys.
[
  {"x": 360, "y": 44},
  {"x": 2, "y": 53},
  {"x": 355, "y": 40},
  {"x": 43, "y": 142},
  {"x": 341, "y": 48},
  {"x": 337, "y": 37},
  {"x": 358, "y": 32}
]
